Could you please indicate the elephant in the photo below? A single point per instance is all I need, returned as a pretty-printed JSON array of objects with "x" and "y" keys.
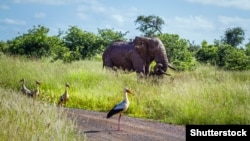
[{"x": 136, "y": 55}]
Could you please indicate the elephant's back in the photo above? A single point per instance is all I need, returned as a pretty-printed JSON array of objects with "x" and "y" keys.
[
  {"x": 121, "y": 44},
  {"x": 117, "y": 54},
  {"x": 118, "y": 45}
]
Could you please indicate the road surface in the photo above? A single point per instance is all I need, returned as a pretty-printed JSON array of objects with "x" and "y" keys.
[{"x": 96, "y": 127}]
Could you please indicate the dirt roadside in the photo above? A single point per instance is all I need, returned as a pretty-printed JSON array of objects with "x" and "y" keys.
[{"x": 97, "y": 127}]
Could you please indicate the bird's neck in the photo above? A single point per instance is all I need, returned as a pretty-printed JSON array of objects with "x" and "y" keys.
[
  {"x": 66, "y": 90},
  {"x": 126, "y": 96},
  {"x": 37, "y": 87}
]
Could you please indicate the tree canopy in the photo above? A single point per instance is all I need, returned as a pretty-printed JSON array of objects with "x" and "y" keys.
[
  {"x": 149, "y": 25},
  {"x": 234, "y": 36}
]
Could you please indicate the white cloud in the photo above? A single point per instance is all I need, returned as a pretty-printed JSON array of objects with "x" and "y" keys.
[
  {"x": 81, "y": 15},
  {"x": 40, "y": 15},
  {"x": 91, "y": 6},
  {"x": 231, "y": 22},
  {"x": 196, "y": 28},
  {"x": 106, "y": 14},
  {"x": 241, "y": 4},
  {"x": 190, "y": 22},
  {"x": 234, "y": 21},
  {"x": 118, "y": 18},
  {"x": 4, "y": 7},
  {"x": 48, "y": 2},
  {"x": 13, "y": 22}
]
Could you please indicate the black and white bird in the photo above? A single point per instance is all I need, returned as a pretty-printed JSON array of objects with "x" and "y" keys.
[{"x": 121, "y": 107}]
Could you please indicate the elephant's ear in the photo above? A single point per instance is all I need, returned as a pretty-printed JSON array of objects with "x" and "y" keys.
[
  {"x": 139, "y": 42},
  {"x": 153, "y": 44}
]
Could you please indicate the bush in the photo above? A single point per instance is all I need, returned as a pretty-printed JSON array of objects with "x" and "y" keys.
[
  {"x": 177, "y": 51},
  {"x": 33, "y": 44},
  {"x": 236, "y": 59},
  {"x": 207, "y": 54}
]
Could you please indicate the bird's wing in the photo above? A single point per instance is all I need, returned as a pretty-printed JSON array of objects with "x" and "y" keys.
[
  {"x": 121, "y": 105},
  {"x": 27, "y": 91},
  {"x": 61, "y": 97},
  {"x": 116, "y": 109}
]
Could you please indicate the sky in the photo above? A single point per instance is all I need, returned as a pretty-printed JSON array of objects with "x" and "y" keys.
[{"x": 193, "y": 20}]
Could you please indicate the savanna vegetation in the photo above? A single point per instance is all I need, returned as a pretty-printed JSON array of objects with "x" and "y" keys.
[
  {"x": 21, "y": 118},
  {"x": 207, "y": 95},
  {"x": 211, "y": 85}
]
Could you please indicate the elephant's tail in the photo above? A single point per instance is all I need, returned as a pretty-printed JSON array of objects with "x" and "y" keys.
[{"x": 171, "y": 67}]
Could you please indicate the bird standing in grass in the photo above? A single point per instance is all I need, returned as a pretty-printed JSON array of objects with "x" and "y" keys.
[
  {"x": 24, "y": 89},
  {"x": 121, "y": 107},
  {"x": 36, "y": 92},
  {"x": 64, "y": 97}
]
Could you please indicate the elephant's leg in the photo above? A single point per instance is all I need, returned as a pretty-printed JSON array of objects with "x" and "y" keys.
[
  {"x": 108, "y": 63},
  {"x": 147, "y": 69},
  {"x": 140, "y": 69}
]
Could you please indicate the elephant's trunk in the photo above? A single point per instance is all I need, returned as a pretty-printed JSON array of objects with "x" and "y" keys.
[
  {"x": 162, "y": 60},
  {"x": 161, "y": 57}
]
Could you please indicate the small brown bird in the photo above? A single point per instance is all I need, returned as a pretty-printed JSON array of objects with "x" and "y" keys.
[
  {"x": 36, "y": 92},
  {"x": 24, "y": 89},
  {"x": 120, "y": 107},
  {"x": 64, "y": 97}
]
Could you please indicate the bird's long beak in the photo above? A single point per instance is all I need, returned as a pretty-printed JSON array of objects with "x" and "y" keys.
[{"x": 129, "y": 92}]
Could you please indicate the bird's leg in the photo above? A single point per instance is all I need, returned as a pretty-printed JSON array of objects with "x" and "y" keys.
[{"x": 118, "y": 129}]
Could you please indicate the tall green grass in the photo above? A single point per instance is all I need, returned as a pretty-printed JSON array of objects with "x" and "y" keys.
[
  {"x": 23, "y": 119},
  {"x": 205, "y": 96}
]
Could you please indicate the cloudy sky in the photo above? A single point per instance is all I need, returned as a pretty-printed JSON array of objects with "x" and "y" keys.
[{"x": 194, "y": 20}]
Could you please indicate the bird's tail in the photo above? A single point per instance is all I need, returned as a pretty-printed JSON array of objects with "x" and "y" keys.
[
  {"x": 109, "y": 115},
  {"x": 113, "y": 112}
]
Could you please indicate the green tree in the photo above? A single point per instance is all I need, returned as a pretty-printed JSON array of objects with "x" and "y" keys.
[
  {"x": 3, "y": 46},
  {"x": 59, "y": 51},
  {"x": 81, "y": 44},
  {"x": 221, "y": 53},
  {"x": 194, "y": 48},
  {"x": 149, "y": 25},
  {"x": 234, "y": 36},
  {"x": 109, "y": 35},
  {"x": 236, "y": 59},
  {"x": 248, "y": 48},
  {"x": 32, "y": 44},
  {"x": 177, "y": 51},
  {"x": 208, "y": 53}
]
